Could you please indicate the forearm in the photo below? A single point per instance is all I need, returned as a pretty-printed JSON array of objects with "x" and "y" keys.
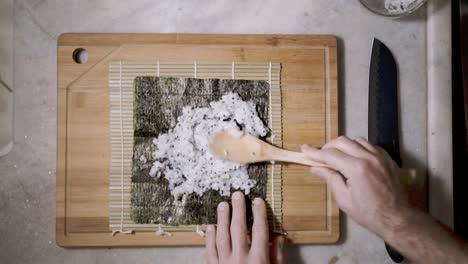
[
  {"x": 362, "y": 179},
  {"x": 421, "y": 239}
]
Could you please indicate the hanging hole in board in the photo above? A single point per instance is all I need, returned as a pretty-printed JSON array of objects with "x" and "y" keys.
[{"x": 80, "y": 55}]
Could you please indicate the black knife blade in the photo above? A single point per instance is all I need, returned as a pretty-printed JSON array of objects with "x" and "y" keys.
[
  {"x": 383, "y": 101},
  {"x": 383, "y": 109}
]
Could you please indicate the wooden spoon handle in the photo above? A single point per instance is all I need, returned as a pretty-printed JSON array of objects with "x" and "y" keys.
[
  {"x": 407, "y": 176},
  {"x": 295, "y": 157}
]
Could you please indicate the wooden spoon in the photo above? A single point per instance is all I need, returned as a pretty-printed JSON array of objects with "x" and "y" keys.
[{"x": 249, "y": 149}]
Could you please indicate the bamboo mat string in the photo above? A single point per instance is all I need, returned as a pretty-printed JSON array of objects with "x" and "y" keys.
[
  {"x": 272, "y": 140},
  {"x": 233, "y": 66},
  {"x": 199, "y": 231},
  {"x": 161, "y": 232},
  {"x": 195, "y": 69},
  {"x": 157, "y": 69},
  {"x": 121, "y": 161}
]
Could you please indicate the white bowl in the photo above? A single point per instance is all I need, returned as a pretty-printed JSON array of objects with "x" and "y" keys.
[{"x": 392, "y": 8}]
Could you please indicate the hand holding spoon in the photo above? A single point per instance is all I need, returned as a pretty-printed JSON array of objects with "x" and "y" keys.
[{"x": 249, "y": 149}]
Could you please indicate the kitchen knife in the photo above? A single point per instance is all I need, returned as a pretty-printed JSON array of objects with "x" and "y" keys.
[{"x": 383, "y": 109}]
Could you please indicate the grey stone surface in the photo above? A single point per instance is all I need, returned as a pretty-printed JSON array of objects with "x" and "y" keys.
[
  {"x": 6, "y": 42},
  {"x": 27, "y": 182},
  {"x": 439, "y": 115},
  {"x": 6, "y": 76}
]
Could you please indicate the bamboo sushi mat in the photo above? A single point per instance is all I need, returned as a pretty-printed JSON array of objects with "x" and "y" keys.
[{"x": 121, "y": 83}]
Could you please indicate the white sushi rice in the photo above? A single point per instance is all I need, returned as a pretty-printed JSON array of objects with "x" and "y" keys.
[
  {"x": 400, "y": 6},
  {"x": 182, "y": 154}
]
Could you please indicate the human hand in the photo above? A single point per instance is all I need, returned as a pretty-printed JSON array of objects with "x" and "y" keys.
[
  {"x": 228, "y": 242},
  {"x": 364, "y": 180}
]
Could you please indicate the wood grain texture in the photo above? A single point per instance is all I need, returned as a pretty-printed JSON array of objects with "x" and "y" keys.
[{"x": 310, "y": 115}]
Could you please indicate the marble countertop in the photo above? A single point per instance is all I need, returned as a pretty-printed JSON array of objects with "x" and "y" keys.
[{"x": 27, "y": 189}]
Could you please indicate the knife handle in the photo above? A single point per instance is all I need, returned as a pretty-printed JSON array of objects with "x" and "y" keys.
[{"x": 394, "y": 254}]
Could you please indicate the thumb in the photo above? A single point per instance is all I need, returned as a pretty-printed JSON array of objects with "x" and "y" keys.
[
  {"x": 336, "y": 183},
  {"x": 276, "y": 253}
]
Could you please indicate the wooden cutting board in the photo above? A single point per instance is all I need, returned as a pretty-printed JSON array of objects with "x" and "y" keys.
[{"x": 309, "y": 110}]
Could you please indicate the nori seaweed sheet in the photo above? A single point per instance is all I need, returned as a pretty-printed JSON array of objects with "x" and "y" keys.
[{"x": 158, "y": 101}]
